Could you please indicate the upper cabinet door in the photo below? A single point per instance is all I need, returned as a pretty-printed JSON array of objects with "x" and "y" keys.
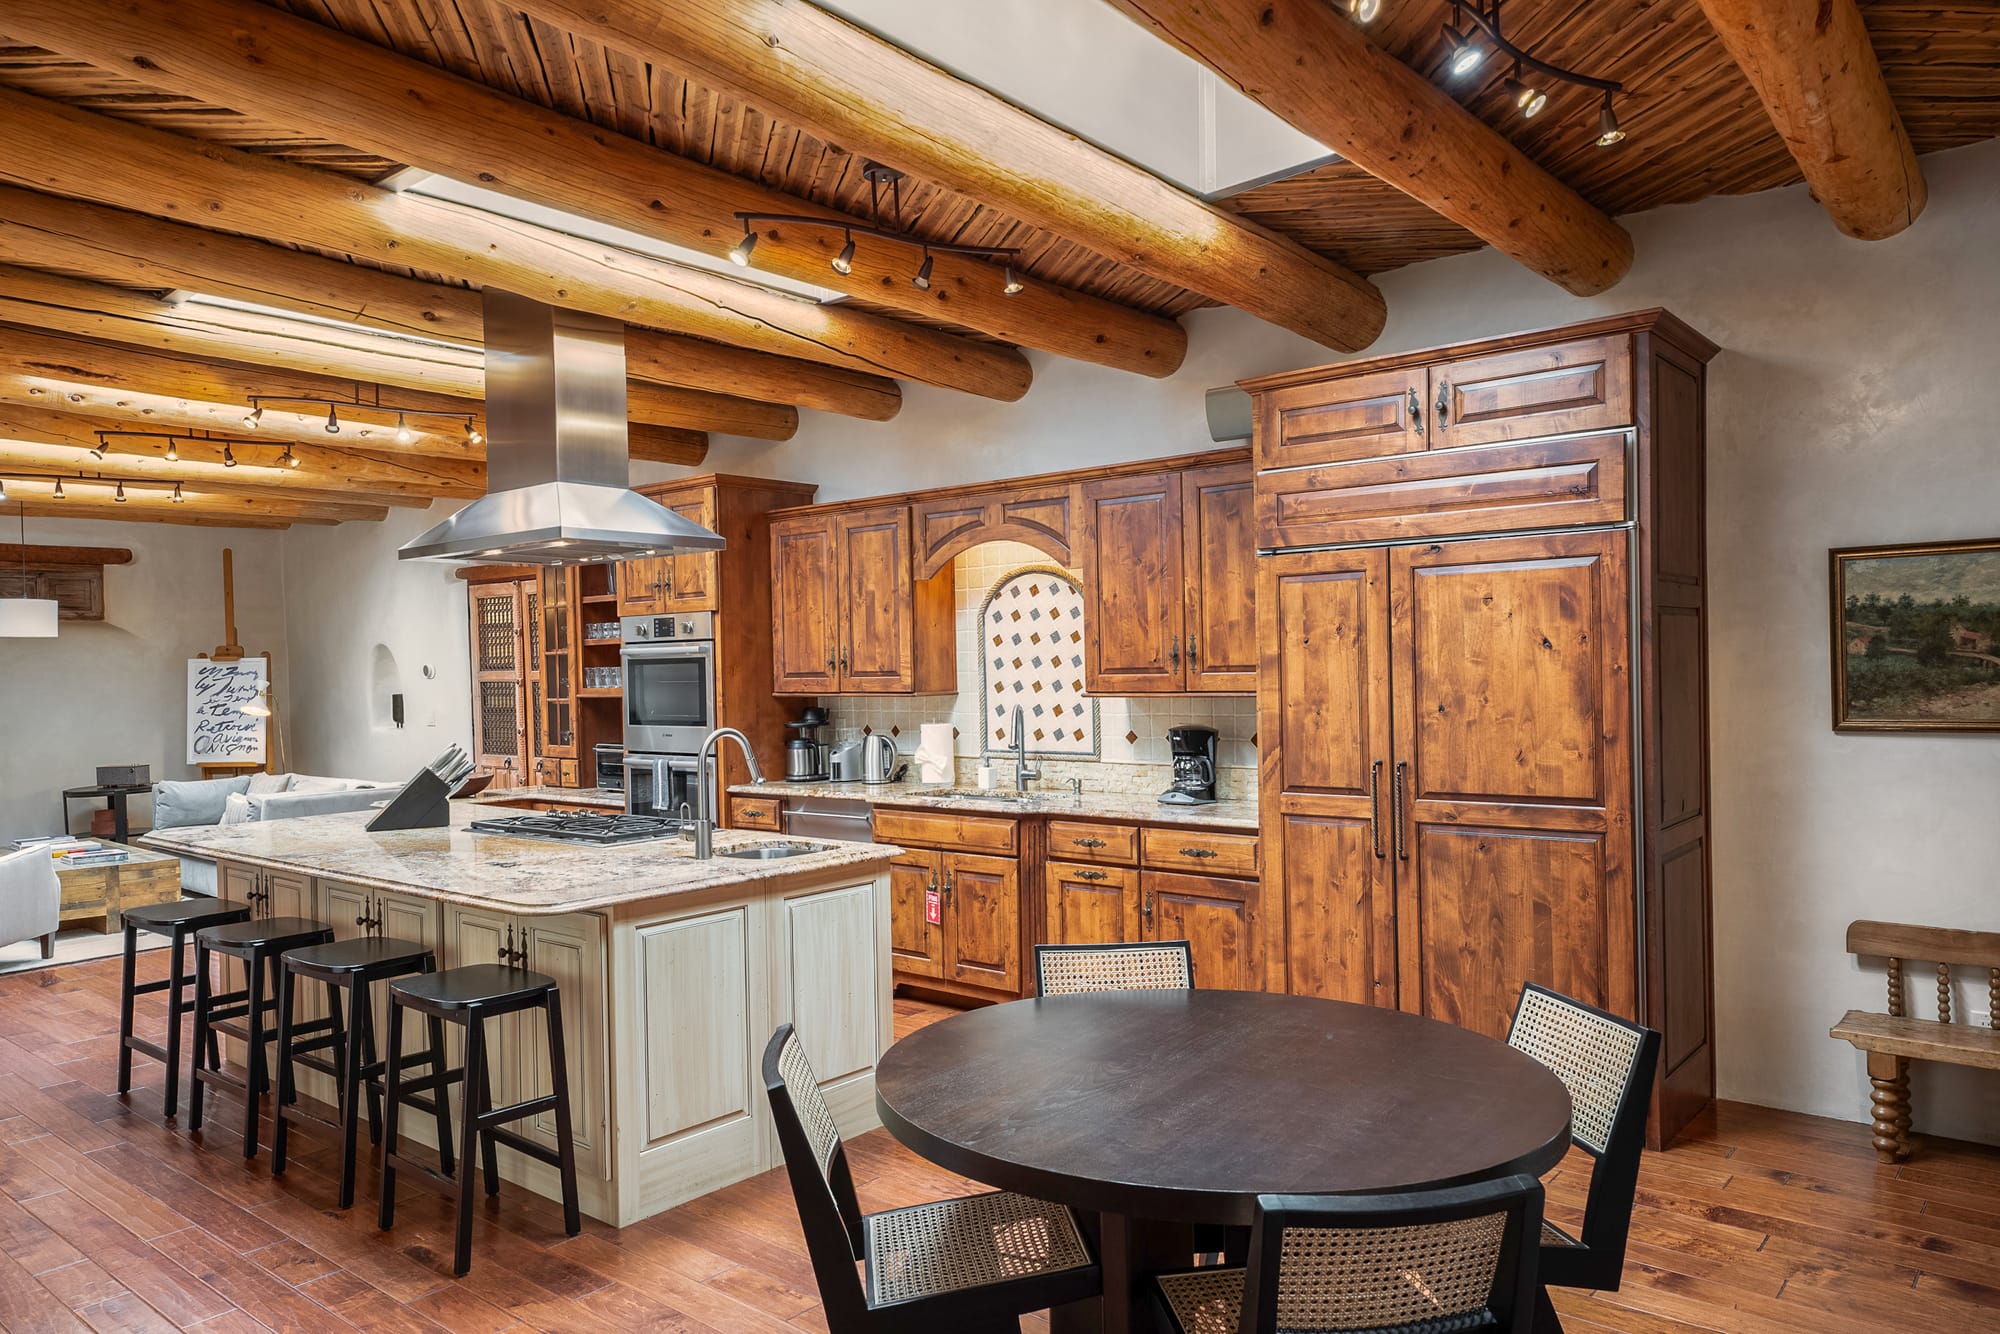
[
  {"x": 1585, "y": 385},
  {"x": 1219, "y": 539},
  {"x": 642, "y": 585},
  {"x": 690, "y": 575},
  {"x": 803, "y": 606},
  {"x": 876, "y": 594},
  {"x": 1360, "y": 417},
  {"x": 1133, "y": 585}
]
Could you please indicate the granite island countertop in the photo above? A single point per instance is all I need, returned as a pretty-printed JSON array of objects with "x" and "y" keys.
[
  {"x": 1055, "y": 803},
  {"x": 595, "y": 797},
  {"x": 521, "y": 875}
]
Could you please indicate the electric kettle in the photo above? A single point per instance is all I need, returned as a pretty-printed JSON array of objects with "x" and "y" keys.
[{"x": 878, "y": 758}]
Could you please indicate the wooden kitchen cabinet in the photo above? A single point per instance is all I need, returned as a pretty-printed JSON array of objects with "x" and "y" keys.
[
  {"x": 916, "y": 942},
  {"x": 683, "y": 581},
  {"x": 1219, "y": 534},
  {"x": 1218, "y": 917},
  {"x": 982, "y": 920},
  {"x": 849, "y": 616},
  {"x": 1353, "y": 417},
  {"x": 1090, "y": 905},
  {"x": 975, "y": 947},
  {"x": 1523, "y": 393}
]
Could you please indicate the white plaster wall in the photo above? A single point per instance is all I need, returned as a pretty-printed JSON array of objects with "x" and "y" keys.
[{"x": 115, "y": 691}]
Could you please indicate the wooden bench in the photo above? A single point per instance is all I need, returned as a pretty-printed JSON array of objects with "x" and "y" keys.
[{"x": 1892, "y": 1040}]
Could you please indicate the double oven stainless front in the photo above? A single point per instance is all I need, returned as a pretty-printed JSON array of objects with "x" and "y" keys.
[{"x": 668, "y": 666}]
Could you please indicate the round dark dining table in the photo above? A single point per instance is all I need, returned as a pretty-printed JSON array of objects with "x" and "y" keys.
[{"x": 1157, "y": 1110}]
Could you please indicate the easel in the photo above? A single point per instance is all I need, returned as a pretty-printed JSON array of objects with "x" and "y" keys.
[{"x": 233, "y": 652}]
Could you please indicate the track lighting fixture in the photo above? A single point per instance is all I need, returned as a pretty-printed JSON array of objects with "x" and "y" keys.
[
  {"x": 1465, "y": 54},
  {"x": 472, "y": 435},
  {"x": 1527, "y": 99},
  {"x": 404, "y": 435},
  {"x": 119, "y": 494},
  {"x": 228, "y": 459},
  {"x": 289, "y": 459},
  {"x": 332, "y": 420},
  {"x": 179, "y": 499},
  {"x": 59, "y": 491},
  {"x": 1013, "y": 286},
  {"x": 922, "y": 282},
  {"x": 3, "y": 490},
  {"x": 173, "y": 451},
  {"x": 1609, "y": 132},
  {"x": 1364, "y": 11},
  {"x": 844, "y": 261},
  {"x": 97, "y": 450},
  {"x": 739, "y": 254},
  {"x": 253, "y": 417}
]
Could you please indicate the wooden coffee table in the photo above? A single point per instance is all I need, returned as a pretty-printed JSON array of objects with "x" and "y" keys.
[{"x": 106, "y": 891}]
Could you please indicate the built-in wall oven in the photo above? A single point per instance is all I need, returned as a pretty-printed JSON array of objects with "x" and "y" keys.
[{"x": 669, "y": 678}]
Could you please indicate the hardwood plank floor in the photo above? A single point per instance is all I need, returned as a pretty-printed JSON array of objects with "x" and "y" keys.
[{"x": 112, "y": 1218}]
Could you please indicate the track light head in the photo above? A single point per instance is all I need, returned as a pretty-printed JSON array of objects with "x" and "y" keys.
[
  {"x": 1465, "y": 55},
  {"x": 332, "y": 421},
  {"x": 3, "y": 490},
  {"x": 472, "y": 435},
  {"x": 1527, "y": 98},
  {"x": 843, "y": 263},
  {"x": 179, "y": 499},
  {"x": 1609, "y": 131},
  {"x": 1013, "y": 286},
  {"x": 922, "y": 282},
  {"x": 739, "y": 254},
  {"x": 289, "y": 459},
  {"x": 173, "y": 450},
  {"x": 59, "y": 491},
  {"x": 97, "y": 450},
  {"x": 404, "y": 435},
  {"x": 1364, "y": 11},
  {"x": 252, "y": 417},
  {"x": 119, "y": 494},
  {"x": 228, "y": 457}
]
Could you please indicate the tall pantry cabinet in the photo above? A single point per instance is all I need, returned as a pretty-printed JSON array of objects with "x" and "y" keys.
[{"x": 1482, "y": 710}]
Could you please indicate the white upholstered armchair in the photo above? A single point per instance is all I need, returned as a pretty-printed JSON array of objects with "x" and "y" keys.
[{"x": 30, "y": 899}]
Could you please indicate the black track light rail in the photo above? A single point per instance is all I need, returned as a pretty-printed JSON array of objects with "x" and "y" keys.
[
  {"x": 365, "y": 405},
  {"x": 1491, "y": 27},
  {"x": 1009, "y": 254}
]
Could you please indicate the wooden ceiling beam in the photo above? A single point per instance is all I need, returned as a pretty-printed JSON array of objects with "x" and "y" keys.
[
  {"x": 1815, "y": 70},
  {"x": 59, "y": 371},
  {"x": 18, "y": 459},
  {"x": 113, "y": 162},
  {"x": 144, "y": 497},
  {"x": 50, "y": 232},
  {"x": 846, "y": 86},
  {"x": 41, "y": 300},
  {"x": 1307, "y": 62},
  {"x": 259, "y": 60},
  {"x": 114, "y": 513}
]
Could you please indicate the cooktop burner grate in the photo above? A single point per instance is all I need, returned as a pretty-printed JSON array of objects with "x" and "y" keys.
[{"x": 593, "y": 829}]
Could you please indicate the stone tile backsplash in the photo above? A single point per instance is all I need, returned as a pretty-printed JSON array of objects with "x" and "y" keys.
[{"x": 1132, "y": 755}]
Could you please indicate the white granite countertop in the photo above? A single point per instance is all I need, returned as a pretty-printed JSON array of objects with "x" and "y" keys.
[
  {"x": 598, "y": 797},
  {"x": 521, "y": 875},
  {"x": 1055, "y": 803}
]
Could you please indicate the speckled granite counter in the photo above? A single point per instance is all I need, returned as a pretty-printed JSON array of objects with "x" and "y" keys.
[
  {"x": 602, "y": 798},
  {"x": 1054, "y": 803},
  {"x": 528, "y": 876}
]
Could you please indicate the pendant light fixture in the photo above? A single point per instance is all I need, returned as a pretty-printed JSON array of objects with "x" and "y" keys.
[
  {"x": 24, "y": 617},
  {"x": 1474, "y": 20}
]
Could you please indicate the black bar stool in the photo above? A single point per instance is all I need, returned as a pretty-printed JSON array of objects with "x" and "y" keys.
[
  {"x": 470, "y": 996},
  {"x": 178, "y": 921},
  {"x": 352, "y": 966},
  {"x": 259, "y": 943}
]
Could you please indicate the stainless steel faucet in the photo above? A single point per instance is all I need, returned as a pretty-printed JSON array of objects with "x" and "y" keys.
[
  {"x": 704, "y": 821},
  {"x": 1022, "y": 773}
]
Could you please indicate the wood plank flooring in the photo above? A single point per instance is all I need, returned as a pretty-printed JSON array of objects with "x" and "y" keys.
[{"x": 113, "y": 1219}]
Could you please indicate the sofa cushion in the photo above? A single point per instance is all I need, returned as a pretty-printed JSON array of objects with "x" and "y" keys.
[
  {"x": 176, "y": 805},
  {"x": 263, "y": 785},
  {"x": 239, "y": 809}
]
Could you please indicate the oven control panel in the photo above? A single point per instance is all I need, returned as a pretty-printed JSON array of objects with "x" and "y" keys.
[{"x": 648, "y": 629}]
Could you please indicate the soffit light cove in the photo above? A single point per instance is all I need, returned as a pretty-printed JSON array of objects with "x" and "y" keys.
[{"x": 843, "y": 263}]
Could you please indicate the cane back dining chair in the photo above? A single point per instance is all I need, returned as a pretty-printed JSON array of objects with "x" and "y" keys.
[
  {"x": 974, "y": 1264},
  {"x": 1427, "y": 1262},
  {"x": 1607, "y": 1064},
  {"x": 1147, "y": 965}
]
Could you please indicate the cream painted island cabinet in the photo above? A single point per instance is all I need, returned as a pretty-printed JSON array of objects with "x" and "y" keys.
[{"x": 674, "y": 973}]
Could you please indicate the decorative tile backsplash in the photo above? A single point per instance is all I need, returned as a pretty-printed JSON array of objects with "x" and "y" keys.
[
  {"x": 1130, "y": 732},
  {"x": 1030, "y": 641}
]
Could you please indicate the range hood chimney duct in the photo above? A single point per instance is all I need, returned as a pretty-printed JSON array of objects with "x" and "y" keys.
[{"x": 558, "y": 466}]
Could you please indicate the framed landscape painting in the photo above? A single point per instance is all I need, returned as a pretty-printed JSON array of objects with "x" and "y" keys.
[{"x": 1916, "y": 637}]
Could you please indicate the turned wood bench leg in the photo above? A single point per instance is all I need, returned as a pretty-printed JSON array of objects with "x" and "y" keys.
[{"x": 1890, "y": 1099}]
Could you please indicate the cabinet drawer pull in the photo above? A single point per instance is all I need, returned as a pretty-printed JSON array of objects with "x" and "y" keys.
[
  {"x": 1089, "y": 842},
  {"x": 1199, "y": 852},
  {"x": 1091, "y": 875},
  {"x": 1396, "y": 809},
  {"x": 1194, "y": 659},
  {"x": 1146, "y": 907},
  {"x": 1375, "y": 800},
  {"x": 1443, "y": 405},
  {"x": 1174, "y": 653},
  {"x": 1416, "y": 412}
]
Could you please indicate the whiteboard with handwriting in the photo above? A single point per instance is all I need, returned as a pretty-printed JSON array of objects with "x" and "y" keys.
[{"x": 218, "y": 731}]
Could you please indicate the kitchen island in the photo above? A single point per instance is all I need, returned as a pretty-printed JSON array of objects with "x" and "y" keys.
[{"x": 674, "y": 973}]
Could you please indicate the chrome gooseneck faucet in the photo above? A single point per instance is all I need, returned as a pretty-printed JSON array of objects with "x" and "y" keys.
[
  {"x": 1022, "y": 773},
  {"x": 704, "y": 819}
]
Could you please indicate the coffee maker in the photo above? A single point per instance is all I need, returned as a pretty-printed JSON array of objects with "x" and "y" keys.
[
  {"x": 805, "y": 753},
  {"x": 1193, "y": 750}
]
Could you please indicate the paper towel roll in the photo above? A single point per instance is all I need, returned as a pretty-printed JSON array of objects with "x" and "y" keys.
[{"x": 933, "y": 756}]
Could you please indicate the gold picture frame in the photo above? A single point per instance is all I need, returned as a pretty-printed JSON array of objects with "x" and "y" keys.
[{"x": 1916, "y": 637}]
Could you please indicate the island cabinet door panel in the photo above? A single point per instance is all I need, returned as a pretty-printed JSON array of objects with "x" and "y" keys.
[
  {"x": 1584, "y": 385},
  {"x": 1133, "y": 585},
  {"x": 476, "y": 936},
  {"x": 1354, "y": 417},
  {"x": 916, "y": 944},
  {"x": 695, "y": 1008},
  {"x": 1218, "y": 919},
  {"x": 1219, "y": 537},
  {"x": 1091, "y": 905},
  {"x": 288, "y": 895},
  {"x": 827, "y": 978},
  {"x": 1323, "y": 716},
  {"x": 982, "y": 914},
  {"x": 803, "y": 606},
  {"x": 1513, "y": 703},
  {"x": 876, "y": 595},
  {"x": 570, "y": 949}
]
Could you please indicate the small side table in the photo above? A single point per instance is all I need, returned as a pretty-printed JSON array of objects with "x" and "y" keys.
[
  {"x": 107, "y": 890},
  {"x": 114, "y": 801}
]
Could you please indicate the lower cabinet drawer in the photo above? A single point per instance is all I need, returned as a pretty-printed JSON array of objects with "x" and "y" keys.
[
  {"x": 1200, "y": 852},
  {"x": 947, "y": 829},
  {"x": 1076, "y": 841},
  {"x": 753, "y": 813}
]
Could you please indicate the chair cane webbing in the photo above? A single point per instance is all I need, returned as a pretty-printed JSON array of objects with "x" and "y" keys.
[
  {"x": 810, "y": 1104},
  {"x": 950, "y": 1245},
  {"x": 1067, "y": 971},
  {"x": 1592, "y": 1056}
]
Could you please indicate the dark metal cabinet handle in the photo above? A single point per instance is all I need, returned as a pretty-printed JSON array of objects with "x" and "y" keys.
[
  {"x": 1174, "y": 652},
  {"x": 1146, "y": 907},
  {"x": 1375, "y": 803},
  {"x": 947, "y": 889},
  {"x": 1193, "y": 656},
  {"x": 1199, "y": 852},
  {"x": 1090, "y": 842},
  {"x": 1443, "y": 405},
  {"x": 843, "y": 658},
  {"x": 1090, "y": 875},
  {"x": 1396, "y": 809},
  {"x": 829, "y": 662},
  {"x": 1416, "y": 412}
]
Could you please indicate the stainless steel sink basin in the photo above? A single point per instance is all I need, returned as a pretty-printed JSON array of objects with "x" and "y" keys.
[
  {"x": 990, "y": 794},
  {"x": 767, "y": 852}
]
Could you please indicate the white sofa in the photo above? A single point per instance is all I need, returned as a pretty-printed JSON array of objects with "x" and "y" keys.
[
  {"x": 253, "y": 799},
  {"x": 30, "y": 899}
]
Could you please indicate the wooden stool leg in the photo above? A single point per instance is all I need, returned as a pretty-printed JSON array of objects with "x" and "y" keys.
[
  {"x": 565, "y": 1142},
  {"x": 287, "y": 983},
  {"x": 475, "y": 1059},
  {"x": 204, "y": 1037},
  {"x": 176, "y": 1009},
  {"x": 386, "y": 1216},
  {"x": 1890, "y": 1099},
  {"x": 441, "y": 1098},
  {"x": 489, "y": 1151},
  {"x": 131, "y": 980},
  {"x": 350, "y": 1087},
  {"x": 256, "y": 1077}
]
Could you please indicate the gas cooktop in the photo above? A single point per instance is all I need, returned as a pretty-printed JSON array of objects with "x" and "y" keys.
[{"x": 571, "y": 827}]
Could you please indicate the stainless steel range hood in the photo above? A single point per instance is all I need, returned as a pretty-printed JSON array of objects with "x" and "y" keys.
[{"x": 558, "y": 470}]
